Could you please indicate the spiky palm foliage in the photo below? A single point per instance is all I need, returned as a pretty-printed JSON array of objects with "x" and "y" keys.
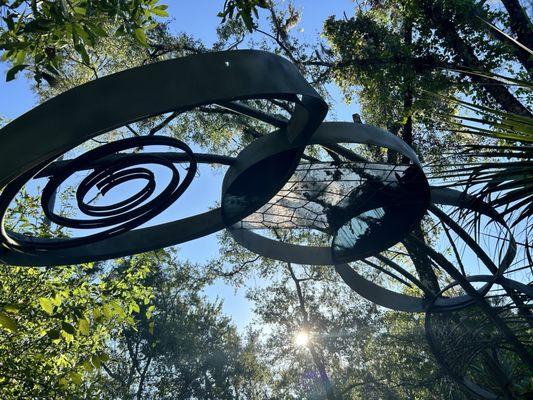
[{"x": 500, "y": 168}]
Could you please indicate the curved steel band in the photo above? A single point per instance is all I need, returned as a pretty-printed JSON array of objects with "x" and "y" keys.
[
  {"x": 84, "y": 112},
  {"x": 402, "y": 302},
  {"x": 509, "y": 284},
  {"x": 327, "y": 133}
]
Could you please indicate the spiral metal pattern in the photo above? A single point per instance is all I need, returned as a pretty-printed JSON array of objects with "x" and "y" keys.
[
  {"x": 121, "y": 216},
  {"x": 30, "y": 145}
]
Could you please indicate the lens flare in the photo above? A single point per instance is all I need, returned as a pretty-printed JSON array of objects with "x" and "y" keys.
[{"x": 301, "y": 339}]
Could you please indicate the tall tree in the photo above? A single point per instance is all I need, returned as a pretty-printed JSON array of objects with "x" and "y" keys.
[
  {"x": 322, "y": 341},
  {"x": 181, "y": 346}
]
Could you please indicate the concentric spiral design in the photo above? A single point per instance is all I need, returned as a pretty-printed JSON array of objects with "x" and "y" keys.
[
  {"x": 30, "y": 144},
  {"x": 119, "y": 217}
]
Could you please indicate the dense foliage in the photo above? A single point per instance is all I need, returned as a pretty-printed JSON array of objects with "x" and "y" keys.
[{"x": 38, "y": 35}]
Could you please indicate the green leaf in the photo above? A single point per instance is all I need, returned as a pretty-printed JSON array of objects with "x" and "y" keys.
[
  {"x": 134, "y": 307},
  {"x": 96, "y": 361},
  {"x": 83, "y": 326},
  {"x": 117, "y": 309},
  {"x": 46, "y": 305},
  {"x": 87, "y": 366},
  {"x": 83, "y": 34},
  {"x": 54, "y": 334},
  {"x": 120, "y": 31},
  {"x": 97, "y": 313},
  {"x": 20, "y": 58},
  {"x": 68, "y": 328},
  {"x": 8, "y": 322},
  {"x": 160, "y": 11},
  {"x": 76, "y": 378},
  {"x": 107, "y": 310},
  {"x": 57, "y": 300},
  {"x": 149, "y": 312},
  {"x": 140, "y": 36},
  {"x": 11, "y": 74},
  {"x": 12, "y": 308},
  {"x": 10, "y": 23},
  {"x": 80, "y": 48},
  {"x": 96, "y": 30}
]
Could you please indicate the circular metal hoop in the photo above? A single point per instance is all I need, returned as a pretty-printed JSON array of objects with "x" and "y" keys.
[
  {"x": 84, "y": 112},
  {"x": 402, "y": 302},
  {"x": 313, "y": 255},
  {"x": 475, "y": 341},
  {"x": 333, "y": 133}
]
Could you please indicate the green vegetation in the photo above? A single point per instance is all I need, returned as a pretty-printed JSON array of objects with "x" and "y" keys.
[{"x": 39, "y": 35}]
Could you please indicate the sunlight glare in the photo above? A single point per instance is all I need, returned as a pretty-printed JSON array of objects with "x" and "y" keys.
[{"x": 301, "y": 338}]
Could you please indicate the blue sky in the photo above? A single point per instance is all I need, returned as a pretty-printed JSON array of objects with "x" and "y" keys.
[{"x": 199, "y": 19}]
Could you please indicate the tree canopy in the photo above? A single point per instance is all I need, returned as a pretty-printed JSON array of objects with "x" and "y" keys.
[{"x": 40, "y": 34}]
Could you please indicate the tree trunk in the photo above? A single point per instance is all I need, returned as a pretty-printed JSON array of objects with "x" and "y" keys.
[
  {"x": 521, "y": 30},
  {"x": 407, "y": 131},
  {"x": 142, "y": 378},
  {"x": 523, "y": 56},
  {"x": 317, "y": 358},
  {"x": 446, "y": 30},
  {"x": 421, "y": 261},
  {"x": 319, "y": 363},
  {"x": 520, "y": 23}
]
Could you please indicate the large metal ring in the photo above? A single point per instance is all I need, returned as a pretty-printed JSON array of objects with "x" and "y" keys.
[
  {"x": 403, "y": 302},
  {"x": 332, "y": 133}
]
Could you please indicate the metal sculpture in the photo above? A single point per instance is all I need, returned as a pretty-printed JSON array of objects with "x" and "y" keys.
[
  {"x": 120, "y": 217},
  {"x": 486, "y": 347},
  {"x": 363, "y": 208},
  {"x": 402, "y": 194},
  {"x": 84, "y": 112}
]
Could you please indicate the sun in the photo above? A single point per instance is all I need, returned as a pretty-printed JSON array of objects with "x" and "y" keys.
[{"x": 301, "y": 339}]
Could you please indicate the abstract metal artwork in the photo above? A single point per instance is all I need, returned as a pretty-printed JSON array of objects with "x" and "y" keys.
[
  {"x": 358, "y": 208},
  {"x": 86, "y": 111},
  {"x": 366, "y": 207},
  {"x": 486, "y": 351}
]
